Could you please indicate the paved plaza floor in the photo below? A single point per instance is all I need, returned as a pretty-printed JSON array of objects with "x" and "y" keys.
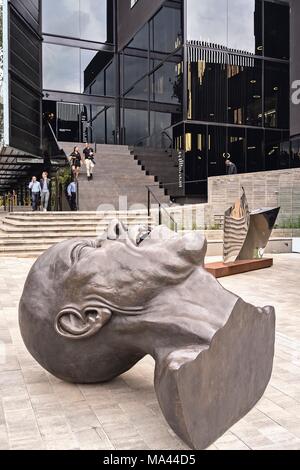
[{"x": 38, "y": 411}]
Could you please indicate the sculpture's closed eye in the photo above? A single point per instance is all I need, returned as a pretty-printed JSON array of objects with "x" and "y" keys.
[{"x": 73, "y": 324}]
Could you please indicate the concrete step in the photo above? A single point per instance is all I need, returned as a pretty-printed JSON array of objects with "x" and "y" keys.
[{"x": 73, "y": 220}]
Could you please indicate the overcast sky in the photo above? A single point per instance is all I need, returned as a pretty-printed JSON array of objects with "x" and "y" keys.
[
  {"x": 208, "y": 21},
  {"x": 86, "y": 19}
]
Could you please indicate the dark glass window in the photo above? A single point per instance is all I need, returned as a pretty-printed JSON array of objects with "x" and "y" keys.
[
  {"x": 277, "y": 100},
  {"x": 166, "y": 83},
  {"x": 82, "y": 19},
  {"x": 207, "y": 93},
  {"x": 207, "y": 21},
  {"x": 277, "y": 153},
  {"x": 64, "y": 67},
  {"x": 134, "y": 69},
  {"x": 277, "y": 30},
  {"x": 216, "y": 151},
  {"x": 245, "y": 92},
  {"x": 245, "y": 26},
  {"x": 97, "y": 88},
  {"x": 135, "y": 125},
  {"x": 98, "y": 124},
  {"x": 110, "y": 126},
  {"x": 159, "y": 122},
  {"x": 196, "y": 158},
  {"x": 141, "y": 39},
  {"x": 236, "y": 142},
  {"x": 68, "y": 122},
  {"x": 166, "y": 29},
  {"x": 100, "y": 69},
  {"x": 255, "y": 156},
  {"x": 110, "y": 82},
  {"x": 140, "y": 91}
]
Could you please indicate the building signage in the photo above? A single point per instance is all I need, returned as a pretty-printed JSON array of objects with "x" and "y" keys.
[{"x": 180, "y": 170}]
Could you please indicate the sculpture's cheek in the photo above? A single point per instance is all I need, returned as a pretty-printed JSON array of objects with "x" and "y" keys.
[{"x": 73, "y": 324}]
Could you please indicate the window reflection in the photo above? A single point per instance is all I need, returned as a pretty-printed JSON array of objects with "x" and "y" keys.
[
  {"x": 74, "y": 76},
  {"x": 196, "y": 159},
  {"x": 166, "y": 83},
  {"x": 245, "y": 95},
  {"x": 245, "y": 26},
  {"x": 83, "y": 19},
  {"x": 166, "y": 29},
  {"x": 277, "y": 152},
  {"x": 216, "y": 151},
  {"x": 135, "y": 125},
  {"x": 134, "y": 69},
  {"x": 277, "y": 30},
  {"x": 255, "y": 158},
  {"x": 236, "y": 140},
  {"x": 277, "y": 95},
  {"x": 207, "y": 90},
  {"x": 159, "y": 122},
  {"x": 141, "y": 39},
  {"x": 207, "y": 21}
]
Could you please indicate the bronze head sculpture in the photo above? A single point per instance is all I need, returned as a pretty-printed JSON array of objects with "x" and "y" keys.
[{"x": 91, "y": 309}]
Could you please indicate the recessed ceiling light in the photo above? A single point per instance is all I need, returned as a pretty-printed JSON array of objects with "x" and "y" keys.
[
  {"x": 253, "y": 81},
  {"x": 256, "y": 97},
  {"x": 276, "y": 88},
  {"x": 259, "y": 48}
]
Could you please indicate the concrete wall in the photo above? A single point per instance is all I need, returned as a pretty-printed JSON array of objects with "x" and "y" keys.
[
  {"x": 130, "y": 20},
  {"x": 264, "y": 189}
]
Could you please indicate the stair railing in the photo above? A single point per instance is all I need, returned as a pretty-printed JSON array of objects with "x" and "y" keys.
[
  {"x": 161, "y": 206},
  {"x": 161, "y": 209}
]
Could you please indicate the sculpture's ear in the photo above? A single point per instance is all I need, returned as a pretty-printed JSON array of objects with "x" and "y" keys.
[{"x": 73, "y": 324}]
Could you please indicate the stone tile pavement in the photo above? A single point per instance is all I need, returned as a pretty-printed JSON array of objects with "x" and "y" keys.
[{"x": 38, "y": 411}]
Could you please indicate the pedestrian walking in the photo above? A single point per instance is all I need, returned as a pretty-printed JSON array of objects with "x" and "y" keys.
[
  {"x": 76, "y": 162},
  {"x": 35, "y": 189},
  {"x": 89, "y": 161},
  {"x": 72, "y": 195},
  {"x": 45, "y": 191}
]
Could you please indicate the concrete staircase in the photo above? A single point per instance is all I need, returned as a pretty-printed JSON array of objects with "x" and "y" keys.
[
  {"x": 162, "y": 165},
  {"x": 116, "y": 174},
  {"x": 30, "y": 234}
]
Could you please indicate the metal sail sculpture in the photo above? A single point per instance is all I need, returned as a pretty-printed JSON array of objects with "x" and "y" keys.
[{"x": 246, "y": 234}]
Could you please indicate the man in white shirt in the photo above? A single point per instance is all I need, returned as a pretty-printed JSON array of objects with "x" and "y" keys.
[{"x": 35, "y": 189}]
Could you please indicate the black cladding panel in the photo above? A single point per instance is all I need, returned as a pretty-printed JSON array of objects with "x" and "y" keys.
[
  {"x": 131, "y": 20},
  {"x": 25, "y": 76}
]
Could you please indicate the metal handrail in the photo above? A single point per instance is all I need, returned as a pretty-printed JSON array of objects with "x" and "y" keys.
[
  {"x": 54, "y": 135},
  {"x": 159, "y": 133},
  {"x": 160, "y": 205},
  {"x": 160, "y": 208},
  {"x": 167, "y": 135}
]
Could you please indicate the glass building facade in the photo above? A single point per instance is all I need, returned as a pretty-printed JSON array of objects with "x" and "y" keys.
[
  {"x": 210, "y": 77},
  {"x": 238, "y": 55}
]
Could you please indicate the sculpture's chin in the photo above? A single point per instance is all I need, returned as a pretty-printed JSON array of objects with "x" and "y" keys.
[{"x": 213, "y": 387}]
